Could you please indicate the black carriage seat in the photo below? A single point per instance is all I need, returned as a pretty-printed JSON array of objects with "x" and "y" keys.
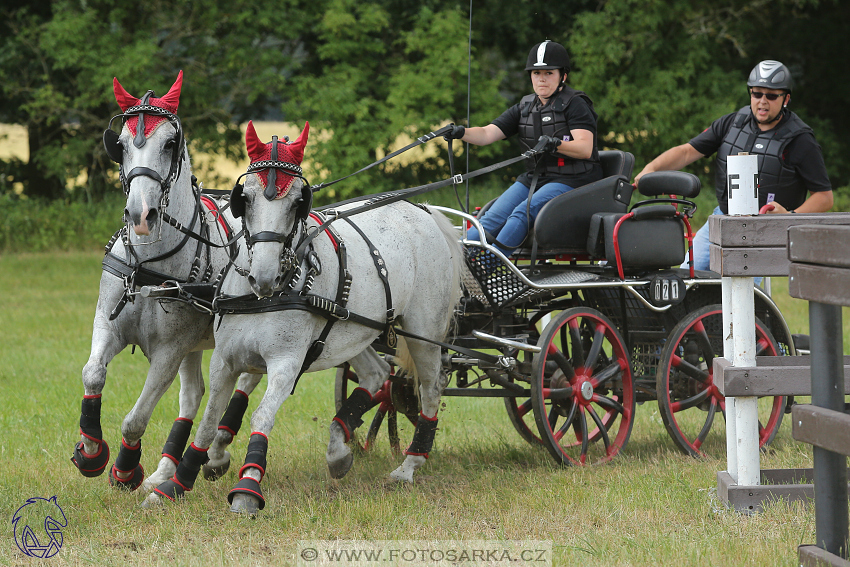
[
  {"x": 562, "y": 224},
  {"x": 653, "y": 237}
]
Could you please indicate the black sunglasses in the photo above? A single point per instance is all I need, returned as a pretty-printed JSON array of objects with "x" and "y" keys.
[{"x": 768, "y": 96}]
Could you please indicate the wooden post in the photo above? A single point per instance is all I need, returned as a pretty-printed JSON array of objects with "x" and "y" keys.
[
  {"x": 742, "y": 441},
  {"x": 830, "y": 475}
]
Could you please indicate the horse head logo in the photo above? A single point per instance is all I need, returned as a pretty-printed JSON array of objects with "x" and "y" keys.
[{"x": 48, "y": 518}]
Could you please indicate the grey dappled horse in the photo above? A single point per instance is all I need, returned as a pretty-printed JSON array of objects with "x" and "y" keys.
[
  {"x": 273, "y": 320},
  {"x": 156, "y": 176}
]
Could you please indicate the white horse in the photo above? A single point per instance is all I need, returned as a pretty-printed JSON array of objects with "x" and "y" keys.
[
  {"x": 415, "y": 250},
  {"x": 156, "y": 176}
]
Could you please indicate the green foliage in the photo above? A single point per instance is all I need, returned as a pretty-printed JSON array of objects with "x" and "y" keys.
[
  {"x": 374, "y": 79},
  {"x": 34, "y": 226},
  {"x": 372, "y": 76},
  {"x": 661, "y": 71}
]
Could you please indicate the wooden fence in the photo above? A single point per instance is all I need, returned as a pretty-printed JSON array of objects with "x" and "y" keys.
[{"x": 813, "y": 251}]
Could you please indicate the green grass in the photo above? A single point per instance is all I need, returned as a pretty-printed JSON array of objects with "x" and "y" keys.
[{"x": 651, "y": 506}]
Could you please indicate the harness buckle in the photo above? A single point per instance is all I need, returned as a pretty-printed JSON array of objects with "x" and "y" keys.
[{"x": 457, "y": 179}]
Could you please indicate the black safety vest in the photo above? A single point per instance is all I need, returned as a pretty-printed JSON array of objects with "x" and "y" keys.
[
  {"x": 551, "y": 120},
  {"x": 775, "y": 177}
]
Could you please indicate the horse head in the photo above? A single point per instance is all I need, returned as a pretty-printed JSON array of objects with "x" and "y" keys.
[
  {"x": 149, "y": 150},
  {"x": 273, "y": 202}
]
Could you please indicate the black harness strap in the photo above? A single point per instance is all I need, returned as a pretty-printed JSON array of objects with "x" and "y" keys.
[{"x": 388, "y": 335}]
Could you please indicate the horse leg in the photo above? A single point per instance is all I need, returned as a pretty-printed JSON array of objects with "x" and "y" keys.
[
  {"x": 372, "y": 371},
  {"x": 432, "y": 381},
  {"x": 222, "y": 382},
  {"x": 191, "y": 393},
  {"x": 247, "y": 497},
  {"x": 127, "y": 472},
  {"x": 91, "y": 454},
  {"x": 229, "y": 426}
]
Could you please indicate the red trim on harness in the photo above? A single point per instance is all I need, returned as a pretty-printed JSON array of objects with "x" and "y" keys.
[
  {"x": 213, "y": 208},
  {"x": 330, "y": 236}
]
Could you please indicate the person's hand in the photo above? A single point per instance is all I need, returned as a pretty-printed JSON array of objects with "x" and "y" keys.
[
  {"x": 552, "y": 144},
  {"x": 455, "y": 132}
]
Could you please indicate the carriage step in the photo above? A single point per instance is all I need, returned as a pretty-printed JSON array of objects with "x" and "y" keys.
[{"x": 506, "y": 342}]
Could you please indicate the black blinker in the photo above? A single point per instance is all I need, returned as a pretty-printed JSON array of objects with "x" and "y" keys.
[
  {"x": 112, "y": 146},
  {"x": 237, "y": 201}
]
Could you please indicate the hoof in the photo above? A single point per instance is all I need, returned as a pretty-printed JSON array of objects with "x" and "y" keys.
[
  {"x": 400, "y": 475},
  {"x": 130, "y": 484},
  {"x": 246, "y": 496},
  {"x": 245, "y": 504},
  {"x": 340, "y": 467},
  {"x": 215, "y": 472},
  {"x": 170, "y": 490},
  {"x": 153, "y": 500},
  {"x": 91, "y": 465}
]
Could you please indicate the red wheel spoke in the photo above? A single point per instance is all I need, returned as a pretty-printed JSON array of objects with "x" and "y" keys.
[
  {"x": 709, "y": 420},
  {"x": 582, "y": 422},
  {"x": 524, "y": 408},
  {"x": 610, "y": 404},
  {"x": 553, "y": 417},
  {"x": 558, "y": 393},
  {"x": 602, "y": 430},
  {"x": 576, "y": 347},
  {"x": 596, "y": 346},
  {"x": 563, "y": 363},
  {"x": 570, "y": 418},
  {"x": 690, "y": 370},
  {"x": 704, "y": 341},
  {"x": 688, "y": 403},
  {"x": 611, "y": 371}
]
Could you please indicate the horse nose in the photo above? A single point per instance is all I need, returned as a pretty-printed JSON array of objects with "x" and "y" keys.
[
  {"x": 263, "y": 289},
  {"x": 143, "y": 221}
]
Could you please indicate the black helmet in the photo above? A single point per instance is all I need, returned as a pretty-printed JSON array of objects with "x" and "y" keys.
[
  {"x": 771, "y": 75},
  {"x": 548, "y": 55}
]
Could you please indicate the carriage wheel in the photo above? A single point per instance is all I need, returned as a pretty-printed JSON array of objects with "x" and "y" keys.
[
  {"x": 582, "y": 392},
  {"x": 688, "y": 399},
  {"x": 521, "y": 414}
]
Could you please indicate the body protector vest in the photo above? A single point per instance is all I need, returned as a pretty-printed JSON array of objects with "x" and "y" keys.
[
  {"x": 551, "y": 120},
  {"x": 775, "y": 177}
]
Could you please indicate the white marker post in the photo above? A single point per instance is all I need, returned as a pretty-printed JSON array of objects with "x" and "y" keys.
[{"x": 739, "y": 345}]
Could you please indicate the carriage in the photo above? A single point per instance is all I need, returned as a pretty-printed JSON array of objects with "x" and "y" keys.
[{"x": 591, "y": 318}]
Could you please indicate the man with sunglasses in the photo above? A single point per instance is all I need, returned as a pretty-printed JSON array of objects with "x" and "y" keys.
[{"x": 791, "y": 165}]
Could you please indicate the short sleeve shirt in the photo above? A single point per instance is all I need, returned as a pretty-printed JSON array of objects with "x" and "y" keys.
[
  {"x": 803, "y": 154},
  {"x": 579, "y": 117}
]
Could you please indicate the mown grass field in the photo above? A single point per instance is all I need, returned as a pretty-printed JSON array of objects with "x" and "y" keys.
[{"x": 651, "y": 506}]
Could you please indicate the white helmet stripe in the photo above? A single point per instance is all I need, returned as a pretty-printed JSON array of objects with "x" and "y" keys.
[{"x": 541, "y": 52}]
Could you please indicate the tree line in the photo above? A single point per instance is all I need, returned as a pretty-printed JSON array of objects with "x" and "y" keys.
[{"x": 369, "y": 73}]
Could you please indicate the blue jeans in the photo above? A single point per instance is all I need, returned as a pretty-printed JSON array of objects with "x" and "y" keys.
[
  {"x": 702, "y": 250},
  {"x": 506, "y": 219}
]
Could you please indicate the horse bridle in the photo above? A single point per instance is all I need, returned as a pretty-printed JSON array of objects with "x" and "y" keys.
[
  {"x": 115, "y": 151},
  {"x": 289, "y": 262}
]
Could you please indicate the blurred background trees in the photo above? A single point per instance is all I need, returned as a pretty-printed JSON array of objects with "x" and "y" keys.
[{"x": 372, "y": 75}]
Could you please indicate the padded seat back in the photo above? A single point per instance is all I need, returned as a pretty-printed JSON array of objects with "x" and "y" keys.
[
  {"x": 652, "y": 240},
  {"x": 563, "y": 222}
]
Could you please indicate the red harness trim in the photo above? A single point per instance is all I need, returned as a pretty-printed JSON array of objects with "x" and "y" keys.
[
  {"x": 333, "y": 240},
  {"x": 213, "y": 208}
]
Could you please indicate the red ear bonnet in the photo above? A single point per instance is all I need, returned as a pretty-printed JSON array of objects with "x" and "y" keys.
[
  {"x": 291, "y": 152},
  {"x": 169, "y": 102}
]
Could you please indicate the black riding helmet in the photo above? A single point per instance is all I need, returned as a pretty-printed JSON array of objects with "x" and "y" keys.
[
  {"x": 548, "y": 55},
  {"x": 771, "y": 75}
]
